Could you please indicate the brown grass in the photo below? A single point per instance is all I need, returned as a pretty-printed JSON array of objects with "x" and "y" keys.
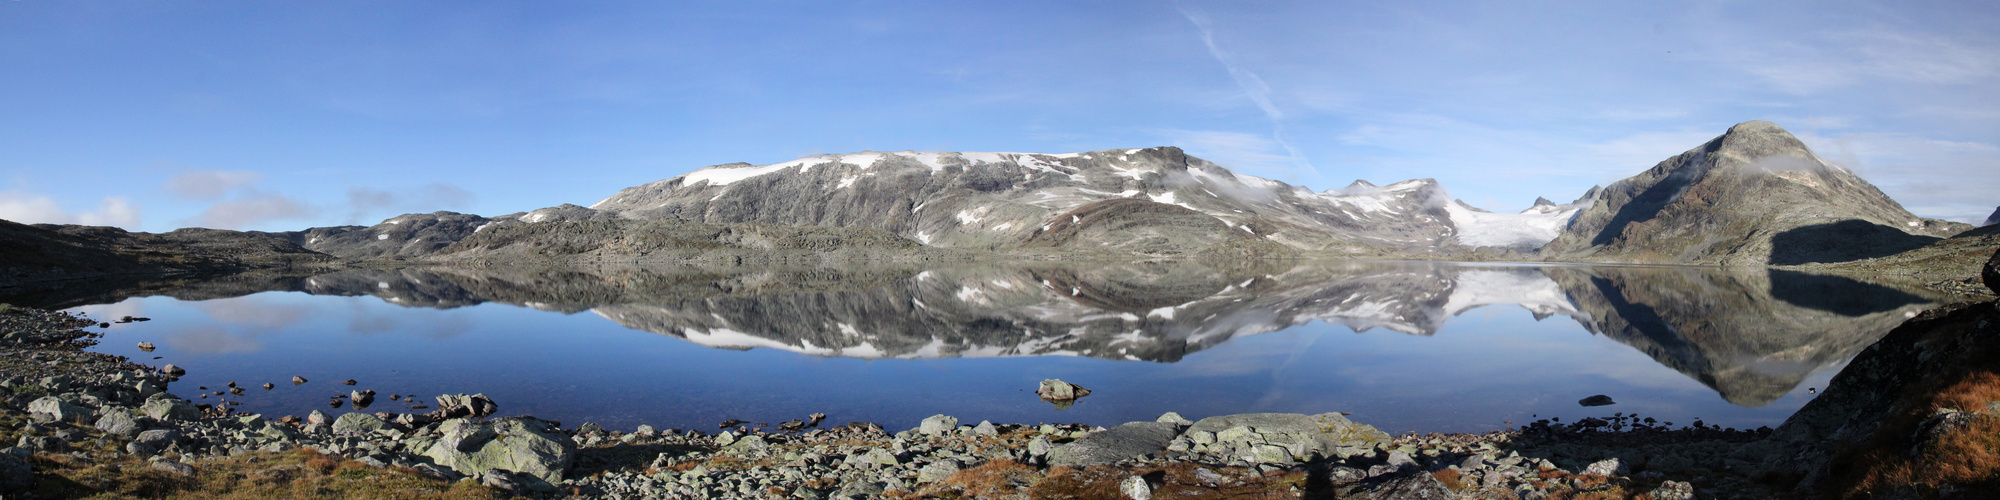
[
  {"x": 1967, "y": 457},
  {"x": 292, "y": 474}
]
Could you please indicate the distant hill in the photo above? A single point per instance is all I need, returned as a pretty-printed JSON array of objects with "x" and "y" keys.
[{"x": 1753, "y": 196}]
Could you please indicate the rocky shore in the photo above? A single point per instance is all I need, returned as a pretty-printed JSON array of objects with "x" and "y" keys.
[{"x": 77, "y": 423}]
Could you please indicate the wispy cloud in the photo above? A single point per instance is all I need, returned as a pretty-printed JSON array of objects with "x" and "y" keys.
[
  {"x": 1839, "y": 58},
  {"x": 250, "y": 210},
  {"x": 30, "y": 208},
  {"x": 210, "y": 184},
  {"x": 363, "y": 202},
  {"x": 1945, "y": 179},
  {"x": 1252, "y": 85}
]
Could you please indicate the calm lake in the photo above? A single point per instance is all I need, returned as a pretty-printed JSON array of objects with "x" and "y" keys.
[{"x": 1400, "y": 345}]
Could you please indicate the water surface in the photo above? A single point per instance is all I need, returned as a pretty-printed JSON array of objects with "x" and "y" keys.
[{"x": 1403, "y": 346}]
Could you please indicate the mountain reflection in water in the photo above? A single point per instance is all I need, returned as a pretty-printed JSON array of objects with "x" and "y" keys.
[{"x": 1751, "y": 335}]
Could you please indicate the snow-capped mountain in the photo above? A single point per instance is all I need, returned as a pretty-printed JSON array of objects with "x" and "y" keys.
[{"x": 989, "y": 200}]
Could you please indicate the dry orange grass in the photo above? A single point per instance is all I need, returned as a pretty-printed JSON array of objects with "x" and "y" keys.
[
  {"x": 1966, "y": 457},
  {"x": 293, "y": 474}
]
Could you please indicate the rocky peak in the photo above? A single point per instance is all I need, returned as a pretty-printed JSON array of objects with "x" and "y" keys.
[
  {"x": 1992, "y": 219},
  {"x": 1543, "y": 202}
]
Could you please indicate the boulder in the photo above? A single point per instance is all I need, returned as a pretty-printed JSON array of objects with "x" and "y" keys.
[
  {"x": 1058, "y": 390},
  {"x": 937, "y": 471},
  {"x": 1598, "y": 400},
  {"x": 120, "y": 422},
  {"x": 937, "y": 425},
  {"x": 519, "y": 444},
  {"x": 1135, "y": 488},
  {"x": 461, "y": 406},
  {"x": 1129, "y": 441},
  {"x": 1991, "y": 273},
  {"x": 58, "y": 408},
  {"x": 170, "y": 409},
  {"x": 363, "y": 423},
  {"x": 16, "y": 475},
  {"x": 1262, "y": 437}
]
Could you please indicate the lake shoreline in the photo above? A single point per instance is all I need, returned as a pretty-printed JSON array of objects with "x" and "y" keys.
[{"x": 939, "y": 458}]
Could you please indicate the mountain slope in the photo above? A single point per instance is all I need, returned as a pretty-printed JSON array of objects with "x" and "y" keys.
[
  {"x": 1753, "y": 196},
  {"x": 995, "y": 200}
]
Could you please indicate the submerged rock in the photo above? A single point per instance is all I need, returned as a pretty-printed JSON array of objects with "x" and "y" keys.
[{"x": 1598, "y": 400}]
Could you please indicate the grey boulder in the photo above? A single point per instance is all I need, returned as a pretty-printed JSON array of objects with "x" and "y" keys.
[
  {"x": 1283, "y": 437},
  {"x": 57, "y": 408},
  {"x": 121, "y": 423},
  {"x": 1129, "y": 441},
  {"x": 520, "y": 444},
  {"x": 358, "y": 422},
  {"x": 170, "y": 409}
]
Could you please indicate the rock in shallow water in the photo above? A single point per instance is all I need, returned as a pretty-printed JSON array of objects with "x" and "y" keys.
[
  {"x": 1057, "y": 390},
  {"x": 1598, "y": 400}
]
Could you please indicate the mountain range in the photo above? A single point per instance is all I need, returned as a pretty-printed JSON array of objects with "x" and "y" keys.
[{"x": 1755, "y": 195}]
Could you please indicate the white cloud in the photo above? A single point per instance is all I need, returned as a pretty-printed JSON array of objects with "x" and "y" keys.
[
  {"x": 249, "y": 210},
  {"x": 363, "y": 202},
  {"x": 1944, "y": 179},
  {"x": 210, "y": 184},
  {"x": 1839, "y": 58},
  {"x": 30, "y": 208}
]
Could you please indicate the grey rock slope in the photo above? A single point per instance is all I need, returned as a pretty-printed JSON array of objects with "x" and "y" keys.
[
  {"x": 1753, "y": 196},
  {"x": 994, "y": 200},
  {"x": 59, "y": 253},
  {"x": 410, "y": 236},
  {"x": 1992, "y": 219}
]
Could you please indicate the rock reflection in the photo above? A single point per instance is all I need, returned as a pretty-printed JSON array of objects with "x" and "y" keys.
[{"x": 1750, "y": 334}]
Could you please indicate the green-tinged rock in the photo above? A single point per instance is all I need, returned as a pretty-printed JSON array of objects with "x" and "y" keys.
[
  {"x": 937, "y": 425},
  {"x": 358, "y": 422},
  {"x": 937, "y": 471},
  {"x": 1132, "y": 440},
  {"x": 751, "y": 442},
  {"x": 252, "y": 421},
  {"x": 1304, "y": 437},
  {"x": 879, "y": 456},
  {"x": 58, "y": 408},
  {"x": 120, "y": 422},
  {"x": 519, "y": 444},
  {"x": 170, "y": 409}
]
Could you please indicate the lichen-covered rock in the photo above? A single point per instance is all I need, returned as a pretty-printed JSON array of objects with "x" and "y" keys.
[
  {"x": 1132, "y": 440},
  {"x": 1266, "y": 437},
  {"x": 120, "y": 422},
  {"x": 170, "y": 409},
  {"x": 58, "y": 408},
  {"x": 519, "y": 444},
  {"x": 358, "y": 422},
  {"x": 937, "y": 425}
]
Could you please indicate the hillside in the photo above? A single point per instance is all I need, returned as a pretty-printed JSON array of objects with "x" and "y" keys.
[{"x": 1753, "y": 196}]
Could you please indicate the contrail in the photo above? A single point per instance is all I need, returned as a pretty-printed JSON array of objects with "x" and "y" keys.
[{"x": 1251, "y": 84}]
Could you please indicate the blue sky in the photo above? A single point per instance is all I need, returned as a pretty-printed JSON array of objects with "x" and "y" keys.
[{"x": 276, "y": 115}]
